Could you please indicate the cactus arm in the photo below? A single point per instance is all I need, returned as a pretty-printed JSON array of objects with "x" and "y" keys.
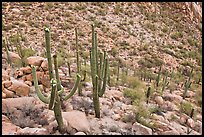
[
  {"x": 56, "y": 72},
  {"x": 96, "y": 52},
  {"x": 39, "y": 93},
  {"x": 48, "y": 53},
  {"x": 61, "y": 91},
  {"x": 53, "y": 93},
  {"x": 104, "y": 78},
  {"x": 100, "y": 72},
  {"x": 74, "y": 88}
]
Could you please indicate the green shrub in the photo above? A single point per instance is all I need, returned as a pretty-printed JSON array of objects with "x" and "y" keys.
[
  {"x": 192, "y": 42},
  {"x": 27, "y": 52},
  {"x": 134, "y": 94},
  {"x": 186, "y": 107},
  {"x": 176, "y": 35}
]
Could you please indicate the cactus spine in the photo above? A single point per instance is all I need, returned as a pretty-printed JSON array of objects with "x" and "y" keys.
[
  {"x": 187, "y": 84},
  {"x": 98, "y": 72}
]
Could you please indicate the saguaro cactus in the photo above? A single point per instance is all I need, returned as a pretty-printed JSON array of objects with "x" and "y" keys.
[
  {"x": 54, "y": 100},
  {"x": 165, "y": 83},
  {"x": 98, "y": 72},
  {"x": 187, "y": 84},
  {"x": 158, "y": 76}
]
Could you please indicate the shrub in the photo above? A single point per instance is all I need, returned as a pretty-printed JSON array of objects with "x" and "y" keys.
[
  {"x": 134, "y": 94},
  {"x": 176, "y": 35},
  {"x": 186, "y": 107}
]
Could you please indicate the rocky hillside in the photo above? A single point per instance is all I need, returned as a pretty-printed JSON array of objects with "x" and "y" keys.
[{"x": 155, "y": 67}]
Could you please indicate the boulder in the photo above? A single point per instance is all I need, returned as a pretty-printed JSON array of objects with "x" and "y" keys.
[
  {"x": 29, "y": 77},
  {"x": 20, "y": 88},
  {"x": 35, "y": 60},
  {"x": 12, "y": 103},
  {"x": 139, "y": 129},
  {"x": 77, "y": 120}
]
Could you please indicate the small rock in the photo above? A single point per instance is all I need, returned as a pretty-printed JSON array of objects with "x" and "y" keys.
[
  {"x": 79, "y": 133},
  {"x": 116, "y": 117},
  {"x": 9, "y": 94},
  {"x": 170, "y": 132},
  {"x": 15, "y": 58},
  {"x": 5, "y": 75},
  {"x": 9, "y": 128},
  {"x": 26, "y": 70},
  {"x": 139, "y": 129},
  {"x": 44, "y": 65},
  {"x": 77, "y": 120},
  {"x": 3, "y": 95},
  {"x": 159, "y": 100},
  {"x": 18, "y": 74},
  {"x": 191, "y": 123},
  {"x": 29, "y": 83},
  {"x": 35, "y": 60},
  {"x": 7, "y": 83},
  {"x": 5, "y": 119},
  {"x": 29, "y": 77}
]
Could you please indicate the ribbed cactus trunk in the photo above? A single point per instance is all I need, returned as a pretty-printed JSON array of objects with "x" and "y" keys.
[
  {"x": 99, "y": 72},
  {"x": 78, "y": 62},
  {"x": 94, "y": 75},
  {"x": 57, "y": 103}
]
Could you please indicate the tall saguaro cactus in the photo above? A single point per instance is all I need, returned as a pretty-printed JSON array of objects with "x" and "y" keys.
[
  {"x": 98, "y": 72},
  {"x": 78, "y": 62},
  {"x": 55, "y": 98}
]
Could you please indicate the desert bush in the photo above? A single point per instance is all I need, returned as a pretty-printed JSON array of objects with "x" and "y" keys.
[
  {"x": 176, "y": 35},
  {"x": 186, "y": 107},
  {"x": 134, "y": 94}
]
